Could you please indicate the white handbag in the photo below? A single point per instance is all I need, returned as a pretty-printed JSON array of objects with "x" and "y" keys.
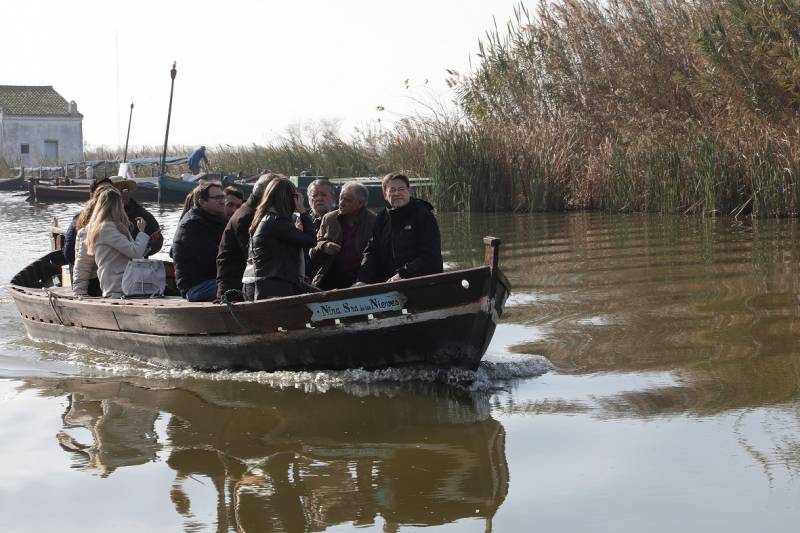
[{"x": 144, "y": 278}]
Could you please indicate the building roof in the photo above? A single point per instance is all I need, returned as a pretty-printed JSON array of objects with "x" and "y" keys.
[{"x": 37, "y": 100}]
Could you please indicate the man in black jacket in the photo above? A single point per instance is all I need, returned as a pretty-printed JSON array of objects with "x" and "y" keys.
[
  {"x": 196, "y": 242},
  {"x": 405, "y": 241},
  {"x": 232, "y": 252}
]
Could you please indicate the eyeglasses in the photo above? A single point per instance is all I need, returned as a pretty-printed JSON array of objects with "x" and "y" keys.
[
  {"x": 216, "y": 197},
  {"x": 391, "y": 190}
]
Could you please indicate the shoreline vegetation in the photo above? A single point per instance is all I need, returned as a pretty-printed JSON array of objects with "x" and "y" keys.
[{"x": 670, "y": 106}]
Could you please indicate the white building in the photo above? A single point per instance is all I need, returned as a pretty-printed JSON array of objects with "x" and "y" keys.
[{"x": 38, "y": 126}]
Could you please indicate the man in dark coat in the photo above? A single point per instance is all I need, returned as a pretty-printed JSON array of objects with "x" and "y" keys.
[
  {"x": 232, "y": 252},
  {"x": 405, "y": 241},
  {"x": 341, "y": 239},
  {"x": 196, "y": 242}
]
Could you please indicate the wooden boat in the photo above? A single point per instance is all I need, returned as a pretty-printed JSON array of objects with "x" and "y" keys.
[
  {"x": 442, "y": 320},
  {"x": 12, "y": 184},
  {"x": 80, "y": 193},
  {"x": 175, "y": 190},
  {"x": 172, "y": 189}
]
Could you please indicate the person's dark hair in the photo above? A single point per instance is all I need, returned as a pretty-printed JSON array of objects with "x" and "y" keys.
[
  {"x": 263, "y": 181},
  {"x": 201, "y": 191},
  {"x": 233, "y": 191},
  {"x": 394, "y": 176},
  {"x": 98, "y": 182},
  {"x": 188, "y": 203},
  {"x": 278, "y": 197}
]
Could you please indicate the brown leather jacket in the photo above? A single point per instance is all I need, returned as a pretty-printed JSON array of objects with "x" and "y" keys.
[{"x": 330, "y": 230}]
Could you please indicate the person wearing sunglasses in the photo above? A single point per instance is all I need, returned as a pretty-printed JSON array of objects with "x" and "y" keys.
[{"x": 196, "y": 242}]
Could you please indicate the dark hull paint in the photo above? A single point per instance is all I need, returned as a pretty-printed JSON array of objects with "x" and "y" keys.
[
  {"x": 80, "y": 193},
  {"x": 12, "y": 184},
  {"x": 453, "y": 341},
  {"x": 173, "y": 189}
]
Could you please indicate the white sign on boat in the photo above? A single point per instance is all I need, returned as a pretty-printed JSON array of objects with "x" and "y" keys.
[{"x": 365, "y": 305}]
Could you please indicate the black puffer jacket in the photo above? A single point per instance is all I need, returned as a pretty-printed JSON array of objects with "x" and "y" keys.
[
  {"x": 232, "y": 254},
  {"x": 194, "y": 248},
  {"x": 276, "y": 248},
  {"x": 404, "y": 241},
  {"x": 69, "y": 241}
]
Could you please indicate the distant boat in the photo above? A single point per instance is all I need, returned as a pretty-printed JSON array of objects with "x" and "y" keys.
[
  {"x": 80, "y": 193},
  {"x": 12, "y": 184},
  {"x": 172, "y": 189},
  {"x": 373, "y": 184}
]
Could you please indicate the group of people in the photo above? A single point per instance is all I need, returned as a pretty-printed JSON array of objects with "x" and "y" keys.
[{"x": 226, "y": 248}]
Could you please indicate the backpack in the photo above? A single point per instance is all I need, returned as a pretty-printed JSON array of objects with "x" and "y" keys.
[{"x": 144, "y": 278}]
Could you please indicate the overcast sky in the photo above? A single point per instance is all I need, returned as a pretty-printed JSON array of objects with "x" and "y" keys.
[{"x": 246, "y": 69}]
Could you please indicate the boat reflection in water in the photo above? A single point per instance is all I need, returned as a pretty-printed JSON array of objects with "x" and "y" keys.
[{"x": 294, "y": 460}]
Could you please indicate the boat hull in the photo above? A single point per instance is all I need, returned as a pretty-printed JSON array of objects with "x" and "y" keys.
[
  {"x": 445, "y": 340},
  {"x": 80, "y": 193},
  {"x": 443, "y": 320},
  {"x": 12, "y": 184}
]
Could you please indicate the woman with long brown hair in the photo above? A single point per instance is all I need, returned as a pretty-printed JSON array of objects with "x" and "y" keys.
[
  {"x": 277, "y": 245},
  {"x": 109, "y": 240}
]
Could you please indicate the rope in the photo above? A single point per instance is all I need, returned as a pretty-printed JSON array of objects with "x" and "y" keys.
[
  {"x": 52, "y": 297},
  {"x": 229, "y": 304}
]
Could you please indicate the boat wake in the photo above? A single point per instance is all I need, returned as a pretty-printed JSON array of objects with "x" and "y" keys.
[{"x": 496, "y": 373}]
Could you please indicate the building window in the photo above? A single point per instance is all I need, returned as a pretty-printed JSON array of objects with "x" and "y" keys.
[{"x": 24, "y": 148}]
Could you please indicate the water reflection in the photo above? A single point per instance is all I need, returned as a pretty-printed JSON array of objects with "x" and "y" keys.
[
  {"x": 291, "y": 460},
  {"x": 712, "y": 301}
]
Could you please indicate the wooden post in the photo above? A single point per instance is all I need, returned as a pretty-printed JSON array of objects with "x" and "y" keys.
[
  {"x": 491, "y": 258},
  {"x": 491, "y": 252},
  {"x": 172, "y": 74},
  {"x": 128, "y": 136}
]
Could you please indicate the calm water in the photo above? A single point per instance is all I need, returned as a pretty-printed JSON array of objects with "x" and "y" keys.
[{"x": 645, "y": 377}]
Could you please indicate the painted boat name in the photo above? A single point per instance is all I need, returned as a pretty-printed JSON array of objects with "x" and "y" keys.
[{"x": 378, "y": 303}]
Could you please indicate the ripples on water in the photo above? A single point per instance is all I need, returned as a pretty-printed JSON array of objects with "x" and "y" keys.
[{"x": 644, "y": 364}]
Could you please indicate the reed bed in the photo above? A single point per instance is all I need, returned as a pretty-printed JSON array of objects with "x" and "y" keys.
[{"x": 672, "y": 106}]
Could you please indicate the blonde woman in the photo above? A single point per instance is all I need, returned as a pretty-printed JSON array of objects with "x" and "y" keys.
[
  {"x": 110, "y": 242},
  {"x": 84, "y": 275}
]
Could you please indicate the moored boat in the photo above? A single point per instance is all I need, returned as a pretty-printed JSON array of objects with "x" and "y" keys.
[
  {"x": 12, "y": 184},
  {"x": 441, "y": 320},
  {"x": 80, "y": 193},
  {"x": 172, "y": 189}
]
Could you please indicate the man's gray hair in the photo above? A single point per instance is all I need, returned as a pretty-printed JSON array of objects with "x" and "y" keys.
[
  {"x": 316, "y": 183},
  {"x": 358, "y": 189},
  {"x": 262, "y": 182}
]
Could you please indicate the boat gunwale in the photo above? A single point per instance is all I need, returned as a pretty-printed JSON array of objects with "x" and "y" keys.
[{"x": 316, "y": 297}]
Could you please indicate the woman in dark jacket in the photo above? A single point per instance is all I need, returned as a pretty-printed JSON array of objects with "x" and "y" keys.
[{"x": 277, "y": 245}]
